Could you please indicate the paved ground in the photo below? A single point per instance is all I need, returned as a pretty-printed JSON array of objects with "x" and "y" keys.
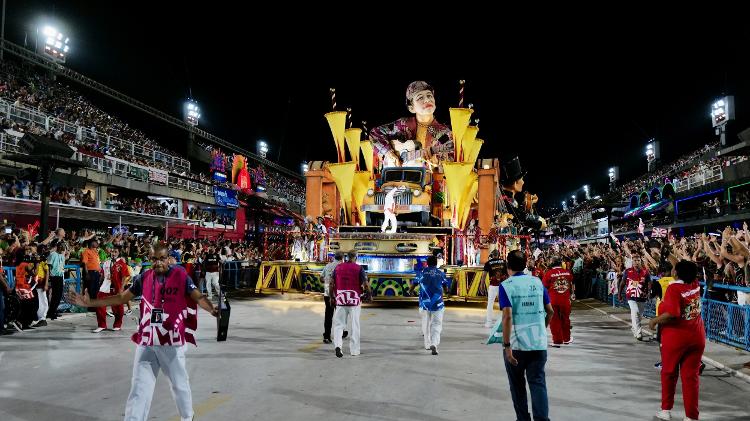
[{"x": 275, "y": 367}]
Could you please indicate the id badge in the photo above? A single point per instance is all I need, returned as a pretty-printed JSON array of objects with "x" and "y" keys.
[{"x": 156, "y": 317}]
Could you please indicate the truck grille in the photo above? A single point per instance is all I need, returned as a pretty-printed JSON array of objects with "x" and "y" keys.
[{"x": 402, "y": 199}]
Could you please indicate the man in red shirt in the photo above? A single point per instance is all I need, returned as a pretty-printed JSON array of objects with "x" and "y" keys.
[
  {"x": 636, "y": 280},
  {"x": 559, "y": 284},
  {"x": 683, "y": 338}
]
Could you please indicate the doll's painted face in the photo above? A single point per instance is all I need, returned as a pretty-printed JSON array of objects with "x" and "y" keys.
[{"x": 423, "y": 103}]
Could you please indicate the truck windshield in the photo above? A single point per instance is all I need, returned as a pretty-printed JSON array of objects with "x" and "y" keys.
[{"x": 409, "y": 176}]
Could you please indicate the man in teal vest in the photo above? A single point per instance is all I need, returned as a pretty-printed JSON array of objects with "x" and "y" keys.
[{"x": 526, "y": 315}]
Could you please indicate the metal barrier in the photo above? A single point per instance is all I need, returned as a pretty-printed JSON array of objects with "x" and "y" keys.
[
  {"x": 726, "y": 323},
  {"x": 72, "y": 278},
  {"x": 238, "y": 274}
]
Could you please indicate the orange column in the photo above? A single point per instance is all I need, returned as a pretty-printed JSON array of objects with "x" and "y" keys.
[
  {"x": 488, "y": 185},
  {"x": 314, "y": 192}
]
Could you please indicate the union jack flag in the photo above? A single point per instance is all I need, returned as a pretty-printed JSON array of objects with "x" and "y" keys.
[{"x": 658, "y": 232}]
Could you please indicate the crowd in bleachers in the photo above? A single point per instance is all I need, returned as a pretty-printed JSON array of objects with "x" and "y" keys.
[{"x": 24, "y": 87}]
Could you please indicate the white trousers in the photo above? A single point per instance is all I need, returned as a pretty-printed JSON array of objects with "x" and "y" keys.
[
  {"x": 212, "y": 280},
  {"x": 743, "y": 298},
  {"x": 41, "y": 314},
  {"x": 339, "y": 324},
  {"x": 432, "y": 326},
  {"x": 389, "y": 217},
  {"x": 492, "y": 293},
  {"x": 636, "y": 309},
  {"x": 148, "y": 361}
]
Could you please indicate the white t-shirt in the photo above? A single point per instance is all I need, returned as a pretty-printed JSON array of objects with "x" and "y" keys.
[{"x": 107, "y": 269}]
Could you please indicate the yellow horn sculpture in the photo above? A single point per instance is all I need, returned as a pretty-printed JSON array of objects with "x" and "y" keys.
[
  {"x": 460, "y": 118},
  {"x": 352, "y": 141},
  {"x": 472, "y": 153},
  {"x": 468, "y": 199},
  {"x": 359, "y": 190},
  {"x": 456, "y": 179},
  {"x": 343, "y": 175},
  {"x": 337, "y": 123},
  {"x": 367, "y": 150},
  {"x": 468, "y": 142}
]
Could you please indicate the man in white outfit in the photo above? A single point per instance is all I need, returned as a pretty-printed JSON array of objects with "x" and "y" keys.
[
  {"x": 349, "y": 280},
  {"x": 432, "y": 282},
  {"x": 389, "y": 211},
  {"x": 168, "y": 322},
  {"x": 212, "y": 268}
]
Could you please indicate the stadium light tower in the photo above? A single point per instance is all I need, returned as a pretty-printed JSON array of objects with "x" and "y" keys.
[
  {"x": 56, "y": 44},
  {"x": 586, "y": 191},
  {"x": 614, "y": 175},
  {"x": 653, "y": 154},
  {"x": 722, "y": 110},
  {"x": 305, "y": 167},
  {"x": 262, "y": 149},
  {"x": 192, "y": 112},
  {"x": 575, "y": 200}
]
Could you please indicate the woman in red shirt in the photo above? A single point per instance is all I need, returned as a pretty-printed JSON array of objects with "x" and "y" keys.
[{"x": 683, "y": 340}]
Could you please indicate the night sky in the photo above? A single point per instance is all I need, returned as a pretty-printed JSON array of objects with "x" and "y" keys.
[{"x": 571, "y": 98}]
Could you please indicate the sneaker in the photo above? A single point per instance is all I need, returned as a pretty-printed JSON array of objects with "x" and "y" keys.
[
  {"x": 110, "y": 314},
  {"x": 700, "y": 370},
  {"x": 128, "y": 312},
  {"x": 339, "y": 353},
  {"x": 116, "y": 329},
  {"x": 689, "y": 419},
  {"x": 434, "y": 350},
  {"x": 663, "y": 414},
  {"x": 639, "y": 338},
  {"x": 97, "y": 330},
  {"x": 658, "y": 365},
  {"x": 345, "y": 335},
  {"x": 41, "y": 323},
  {"x": 570, "y": 341},
  {"x": 326, "y": 341}
]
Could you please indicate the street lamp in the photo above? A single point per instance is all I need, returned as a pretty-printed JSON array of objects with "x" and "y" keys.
[
  {"x": 192, "y": 112},
  {"x": 262, "y": 149},
  {"x": 56, "y": 44}
]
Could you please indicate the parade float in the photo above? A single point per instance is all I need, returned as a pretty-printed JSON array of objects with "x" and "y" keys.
[{"x": 395, "y": 215}]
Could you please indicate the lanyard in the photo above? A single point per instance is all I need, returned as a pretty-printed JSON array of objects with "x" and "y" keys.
[{"x": 153, "y": 289}]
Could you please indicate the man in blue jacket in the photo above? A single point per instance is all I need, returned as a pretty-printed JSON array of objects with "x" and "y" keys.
[{"x": 432, "y": 282}]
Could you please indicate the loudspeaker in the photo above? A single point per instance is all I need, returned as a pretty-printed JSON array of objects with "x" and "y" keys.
[
  {"x": 32, "y": 144},
  {"x": 222, "y": 322}
]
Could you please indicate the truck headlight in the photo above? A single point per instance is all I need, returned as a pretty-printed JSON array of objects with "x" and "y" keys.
[
  {"x": 370, "y": 192},
  {"x": 416, "y": 192}
]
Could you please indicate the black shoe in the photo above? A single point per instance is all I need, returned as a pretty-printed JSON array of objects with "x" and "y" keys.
[
  {"x": 433, "y": 348},
  {"x": 326, "y": 341},
  {"x": 339, "y": 353},
  {"x": 703, "y": 367},
  {"x": 345, "y": 335},
  {"x": 41, "y": 323}
]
